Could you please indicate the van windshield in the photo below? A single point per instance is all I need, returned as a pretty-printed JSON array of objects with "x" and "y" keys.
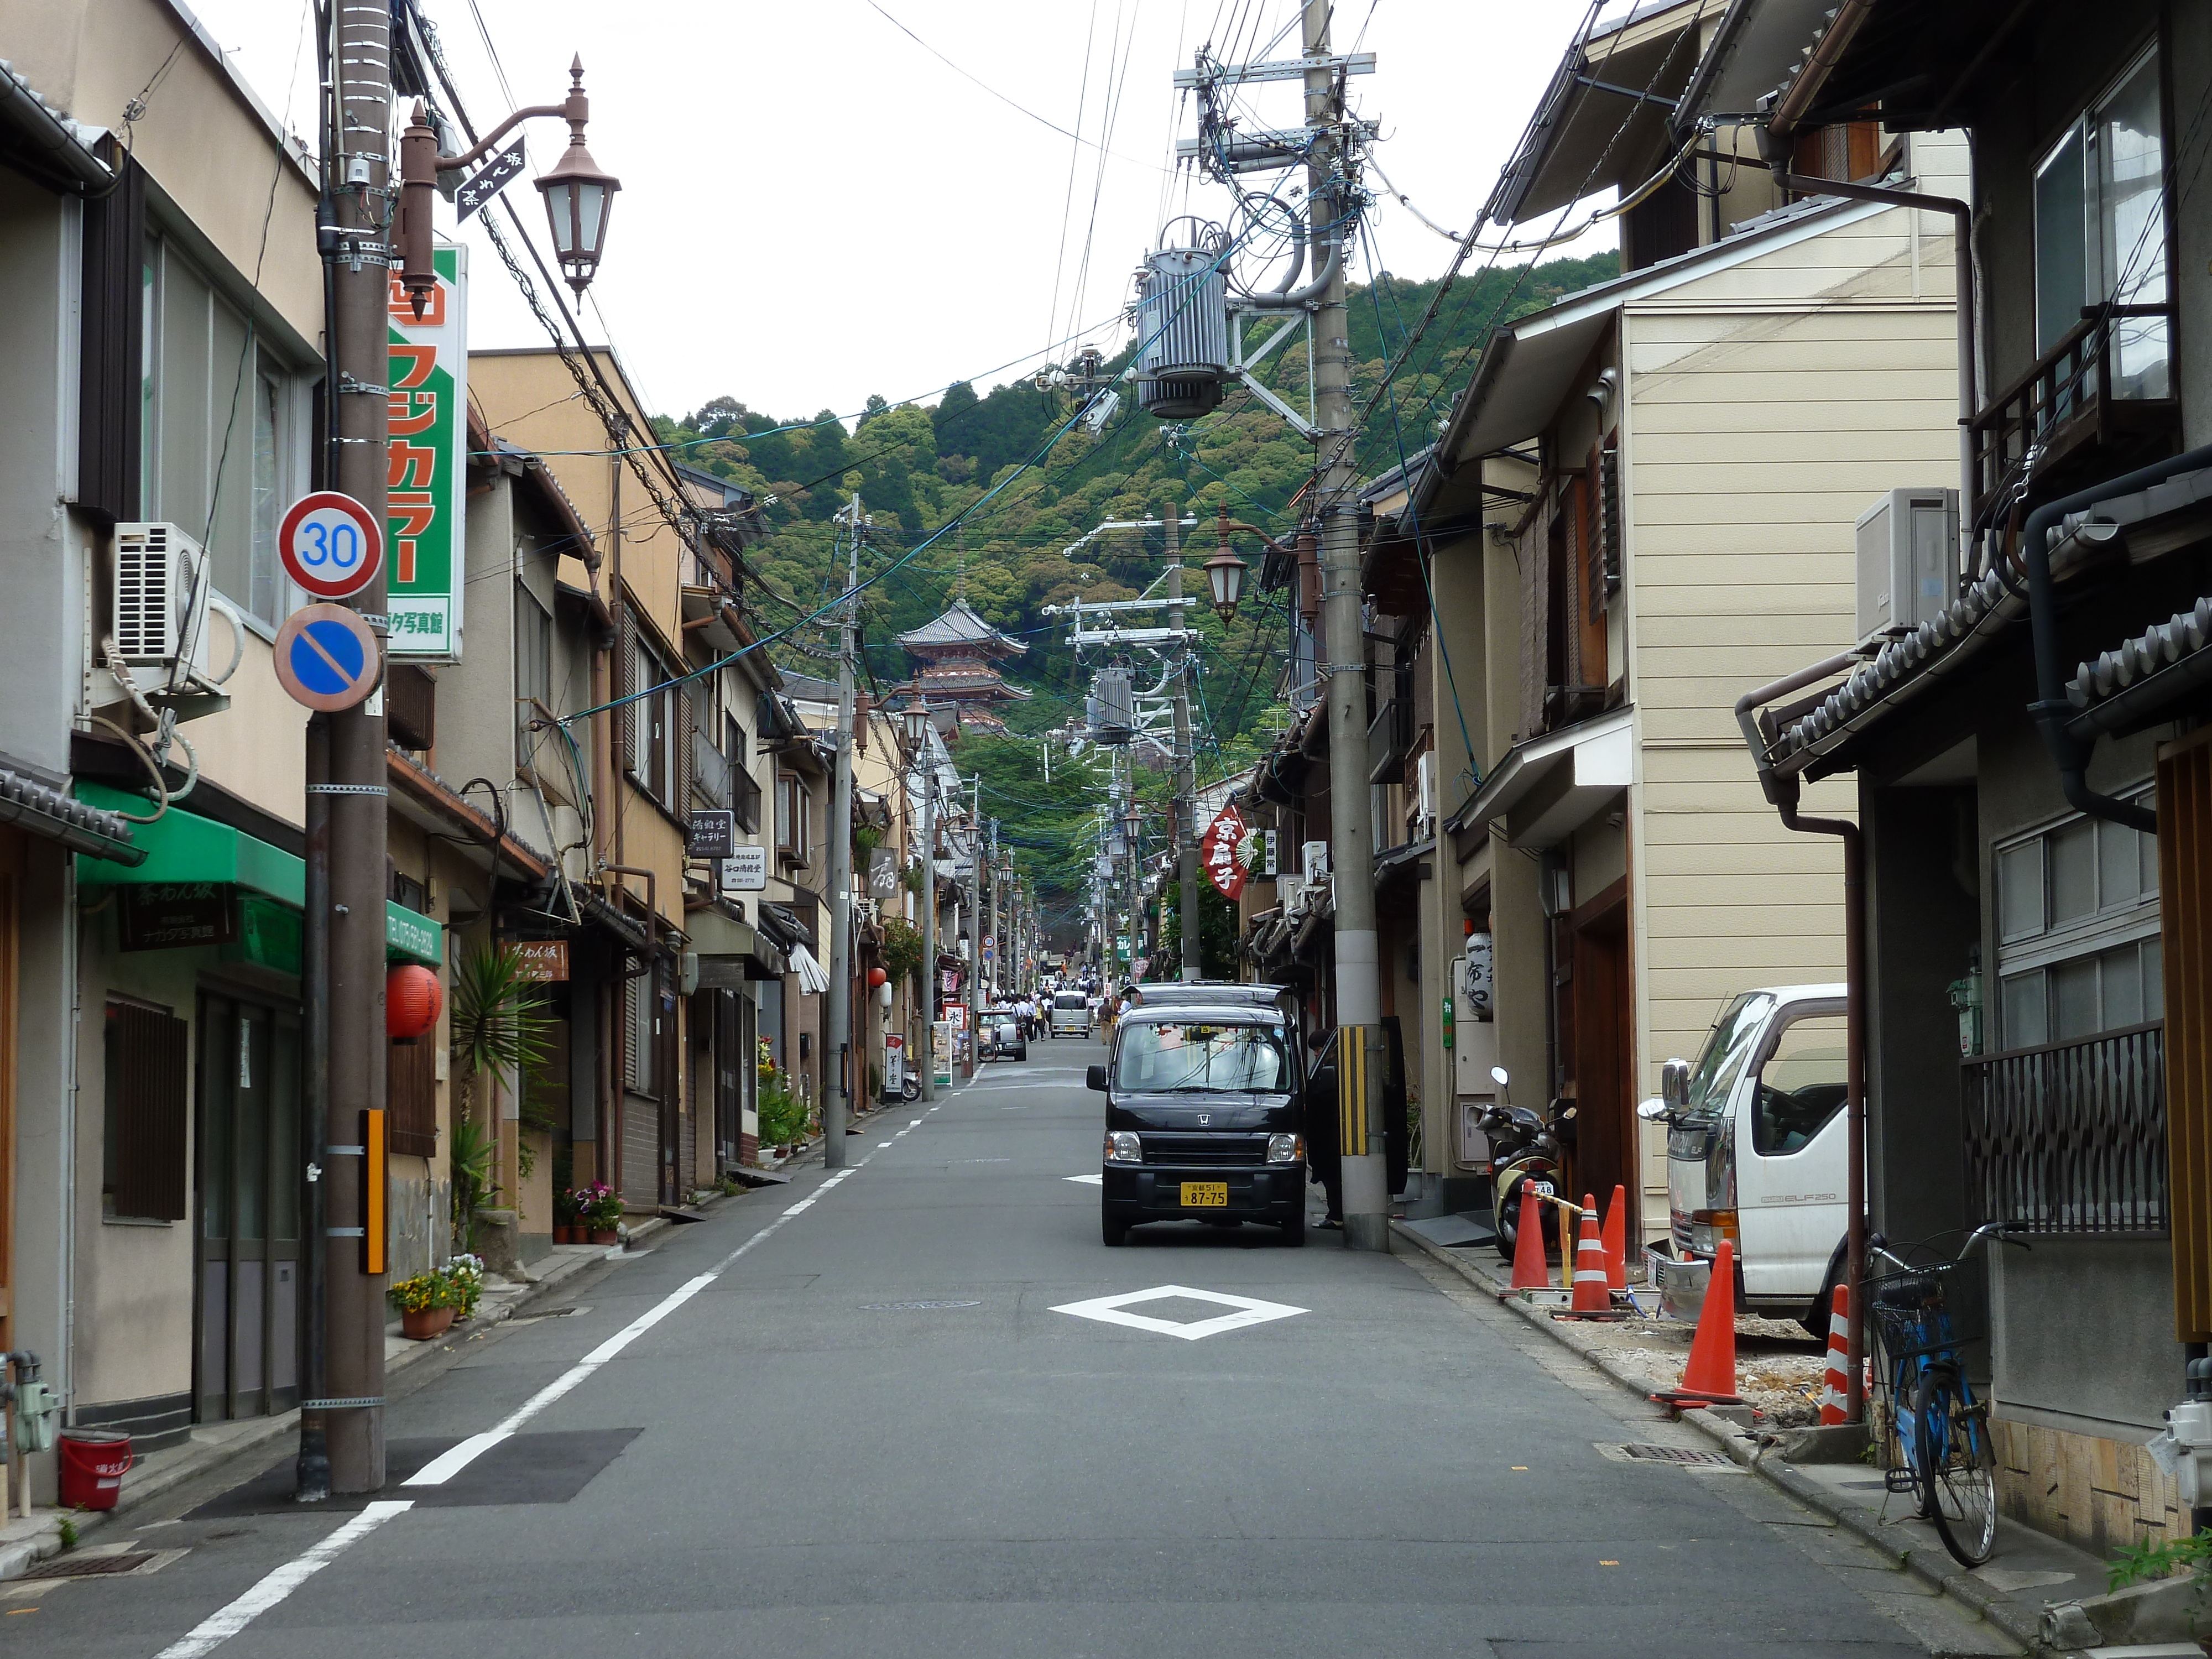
[
  {"x": 1194, "y": 1058},
  {"x": 1071, "y": 999},
  {"x": 1713, "y": 1079}
]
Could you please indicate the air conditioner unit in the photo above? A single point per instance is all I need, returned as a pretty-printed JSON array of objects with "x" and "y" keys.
[
  {"x": 161, "y": 598},
  {"x": 1908, "y": 561},
  {"x": 1313, "y": 860},
  {"x": 1290, "y": 890}
]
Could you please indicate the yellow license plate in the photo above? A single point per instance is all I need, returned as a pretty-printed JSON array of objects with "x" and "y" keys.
[{"x": 1205, "y": 1195}]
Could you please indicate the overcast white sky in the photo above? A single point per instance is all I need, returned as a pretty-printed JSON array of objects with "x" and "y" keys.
[{"x": 815, "y": 208}]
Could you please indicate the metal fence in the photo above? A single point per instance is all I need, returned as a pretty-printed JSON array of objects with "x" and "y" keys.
[{"x": 2070, "y": 1137}]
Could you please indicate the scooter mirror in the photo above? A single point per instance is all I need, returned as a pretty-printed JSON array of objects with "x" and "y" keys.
[
  {"x": 1652, "y": 1110},
  {"x": 1498, "y": 1076},
  {"x": 1675, "y": 1083}
]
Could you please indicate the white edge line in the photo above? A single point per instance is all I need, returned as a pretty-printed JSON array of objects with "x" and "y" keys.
[
  {"x": 224, "y": 1623},
  {"x": 450, "y": 1462}
]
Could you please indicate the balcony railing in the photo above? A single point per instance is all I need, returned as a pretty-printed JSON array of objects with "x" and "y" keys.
[
  {"x": 710, "y": 772},
  {"x": 2070, "y": 1137},
  {"x": 2105, "y": 389}
]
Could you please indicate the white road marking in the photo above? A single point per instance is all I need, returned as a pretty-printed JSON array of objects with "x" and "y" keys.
[
  {"x": 1086, "y": 1181},
  {"x": 447, "y": 1464},
  {"x": 224, "y": 1623},
  {"x": 1114, "y": 1310},
  {"x": 803, "y": 1205},
  {"x": 916, "y": 1123},
  {"x": 881, "y": 1144}
]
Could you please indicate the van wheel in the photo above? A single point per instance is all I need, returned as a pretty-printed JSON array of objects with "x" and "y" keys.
[{"x": 1113, "y": 1232}]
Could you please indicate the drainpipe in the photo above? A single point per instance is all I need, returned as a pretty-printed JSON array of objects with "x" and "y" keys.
[
  {"x": 1962, "y": 260},
  {"x": 2051, "y": 709},
  {"x": 1781, "y": 794}
]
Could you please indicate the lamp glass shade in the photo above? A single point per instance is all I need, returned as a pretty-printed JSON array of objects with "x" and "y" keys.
[
  {"x": 1225, "y": 572},
  {"x": 578, "y": 198}
]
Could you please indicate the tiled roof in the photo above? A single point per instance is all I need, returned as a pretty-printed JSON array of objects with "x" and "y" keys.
[{"x": 961, "y": 625}]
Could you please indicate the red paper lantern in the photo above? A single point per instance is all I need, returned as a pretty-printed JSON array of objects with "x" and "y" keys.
[
  {"x": 875, "y": 977},
  {"x": 411, "y": 1002}
]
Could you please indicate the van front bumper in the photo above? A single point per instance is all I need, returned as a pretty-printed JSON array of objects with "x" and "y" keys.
[
  {"x": 1269, "y": 1192},
  {"x": 1682, "y": 1281}
]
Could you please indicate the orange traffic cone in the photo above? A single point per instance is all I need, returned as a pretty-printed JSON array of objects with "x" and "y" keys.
[
  {"x": 1530, "y": 1273},
  {"x": 1591, "y": 1294},
  {"x": 1710, "y": 1377},
  {"x": 1833, "y": 1400},
  {"x": 1616, "y": 1241}
]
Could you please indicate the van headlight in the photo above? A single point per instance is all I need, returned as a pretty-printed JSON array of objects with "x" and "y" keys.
[
  {"x": 1122, "y": 1146},
  {"x": 1285, "y": 1149}
]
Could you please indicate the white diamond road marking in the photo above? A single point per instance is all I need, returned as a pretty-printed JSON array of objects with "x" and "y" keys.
[
  {"x": 1114, "y": 1310},
  {"x": 1086, "y": 1181}
]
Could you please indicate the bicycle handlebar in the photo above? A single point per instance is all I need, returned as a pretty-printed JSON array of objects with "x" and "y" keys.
[{"x": 1879, "y": 1246}]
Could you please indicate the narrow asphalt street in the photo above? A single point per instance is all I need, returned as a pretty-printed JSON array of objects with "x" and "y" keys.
[{"x": 875, "y": 1426}]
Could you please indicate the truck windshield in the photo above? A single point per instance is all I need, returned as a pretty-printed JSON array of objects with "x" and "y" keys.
[
  {"x": 1190, "y": 1059},
  {"x": 1726, "y": 1049}
]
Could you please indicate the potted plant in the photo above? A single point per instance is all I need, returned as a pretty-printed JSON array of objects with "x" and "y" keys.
[
  {"x": 499, "y": 1025},
  {"x": 601, "y": 1211},
  {"x": 568, "y": 1210},
  {"x": 426, "y": 1304},
  {"x": 465, "y": 1278}
]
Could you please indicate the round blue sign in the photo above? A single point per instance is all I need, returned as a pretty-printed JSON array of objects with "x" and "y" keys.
[{"x": 327, "y": 657}]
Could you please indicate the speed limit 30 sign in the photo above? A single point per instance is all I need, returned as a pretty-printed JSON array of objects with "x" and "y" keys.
[{"x": 331, "y": 545}]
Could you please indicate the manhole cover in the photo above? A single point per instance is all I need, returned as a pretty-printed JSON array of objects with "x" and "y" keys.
[
  {"x": 912, "y": 1307},
  {"x": 1675, "y": 1455},
  {"x": 93, "y": 1567}
]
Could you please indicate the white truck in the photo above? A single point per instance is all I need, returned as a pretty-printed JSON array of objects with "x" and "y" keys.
[{"x": 1756, "y": 1154}]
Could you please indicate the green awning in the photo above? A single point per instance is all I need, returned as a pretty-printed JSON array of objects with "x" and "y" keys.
[{"x": 184, "y": 847}]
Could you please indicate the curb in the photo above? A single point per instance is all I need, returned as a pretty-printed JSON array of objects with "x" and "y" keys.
[{"x": 1940, "y": 1573}]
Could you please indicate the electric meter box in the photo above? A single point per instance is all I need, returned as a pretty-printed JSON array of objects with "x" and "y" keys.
[{"x": 1908, "y": 561}]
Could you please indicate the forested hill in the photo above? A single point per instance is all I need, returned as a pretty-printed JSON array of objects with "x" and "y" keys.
[{"x": 917, "y": 467}]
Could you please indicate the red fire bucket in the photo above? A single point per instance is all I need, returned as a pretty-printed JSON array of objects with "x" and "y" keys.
[{"x": 92, "y": 1467}]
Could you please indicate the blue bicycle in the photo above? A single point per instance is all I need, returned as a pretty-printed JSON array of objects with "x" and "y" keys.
[{"x": 1940, "y": 1448}]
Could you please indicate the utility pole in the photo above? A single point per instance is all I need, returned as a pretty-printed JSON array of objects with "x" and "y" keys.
[
  {"x": 1351, "y": 851},
  {"x": 342, "y": 1420},
  {"x": 837, "y": 1102},
  {"x": 928, "y": 767},
  {"x": 1186, "y": 757},
  {"x": 975, "y": 918}
]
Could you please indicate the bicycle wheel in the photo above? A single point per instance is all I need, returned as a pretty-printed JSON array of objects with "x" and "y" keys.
[{"x": 1957, "y": 1464}]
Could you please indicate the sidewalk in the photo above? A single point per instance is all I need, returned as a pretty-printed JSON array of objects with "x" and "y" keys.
[{"x": 2029, "y": 1569}]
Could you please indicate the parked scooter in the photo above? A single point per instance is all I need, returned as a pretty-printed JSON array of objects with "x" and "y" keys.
[{"x": 1524, "y": 1151}]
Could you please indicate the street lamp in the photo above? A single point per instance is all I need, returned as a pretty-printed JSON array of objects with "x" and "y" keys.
[
  {"x": 1224, "y": 573},
  {"x": 577, "y": 194}
]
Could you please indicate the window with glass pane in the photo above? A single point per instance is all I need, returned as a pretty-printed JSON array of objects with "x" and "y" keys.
[
  {"x": 1801, "y": 1085},
  {"x": 533, "y": 668},
  {"x": 269, "y": 501},
  {"x": 2077, "y": 926},
  {"x": 2101, "y": 230}
]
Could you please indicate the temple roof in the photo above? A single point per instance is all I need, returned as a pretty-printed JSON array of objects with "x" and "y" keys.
[{"x": 961, "y": 627}]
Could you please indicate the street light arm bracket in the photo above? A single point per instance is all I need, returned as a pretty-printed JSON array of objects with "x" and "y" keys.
[{"x": 482, "y": 147}]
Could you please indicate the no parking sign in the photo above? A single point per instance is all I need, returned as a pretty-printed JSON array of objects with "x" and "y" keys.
[
  {"x": 331, "y": 545},
  {"x": 327, "y": 657}
]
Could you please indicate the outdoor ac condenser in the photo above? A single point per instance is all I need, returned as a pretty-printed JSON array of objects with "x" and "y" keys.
[
  {"x": 161, "y": 597},
  {"x": 1908, "y": 561}
]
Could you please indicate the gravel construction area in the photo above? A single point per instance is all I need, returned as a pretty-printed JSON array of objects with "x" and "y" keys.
[{"x": 1779, "y": 1368}]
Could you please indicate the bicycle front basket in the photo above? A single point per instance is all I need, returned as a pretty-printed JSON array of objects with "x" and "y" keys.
[{"x": 1928, "y": 1310}]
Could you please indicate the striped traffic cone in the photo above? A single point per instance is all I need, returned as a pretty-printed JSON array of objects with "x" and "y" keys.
[
  {"x": 1710, "y": 1377},
  {"x": 1839, "y": 1358},
  {"x": 1615, "y": 1235},
  {"x": 1592, "y": 1294}
]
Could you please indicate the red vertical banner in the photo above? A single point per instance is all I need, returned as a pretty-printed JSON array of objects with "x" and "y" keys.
[{"x": 1217, "y": 850}]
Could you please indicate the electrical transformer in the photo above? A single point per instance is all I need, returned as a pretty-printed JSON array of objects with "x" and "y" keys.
[
  {"x": 1183, "y": 333},
  {"x": 1113, "y": 708}
]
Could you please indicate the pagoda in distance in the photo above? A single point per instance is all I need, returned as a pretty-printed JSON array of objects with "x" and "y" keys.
[{"x": 958, "y": 658}]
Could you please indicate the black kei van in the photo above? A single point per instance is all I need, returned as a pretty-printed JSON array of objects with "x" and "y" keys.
[{"x": 1203, "y": 1121}]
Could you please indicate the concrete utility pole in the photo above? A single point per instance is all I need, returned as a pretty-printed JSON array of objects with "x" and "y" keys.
[
  {"x": 1186, "y": 759},
  {"x": 341, "y": 1424},
  {"x": 928, "y": 765},
  {"x": 1351, "y": 851},
  {"x": 975, "y": 977},
  {"x": 837, "y": 1102}
]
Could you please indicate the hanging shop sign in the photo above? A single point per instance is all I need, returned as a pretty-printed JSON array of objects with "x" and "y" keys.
[
  {"x": 1217, "y": 851},
  {"x": 166, "y": 915},
  {"x": 745, "y": 870},
  {"x": 428, "y": 477},
  {"x": 543, "y": 960}
]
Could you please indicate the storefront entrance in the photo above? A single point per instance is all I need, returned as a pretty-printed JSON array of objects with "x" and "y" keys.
[{"x": 246, "y": 1336}]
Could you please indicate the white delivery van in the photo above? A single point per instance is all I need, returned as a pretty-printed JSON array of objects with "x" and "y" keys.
[
  {"x": 1069, "y": 1015},
  {"x": 1756, "y": 1154}
]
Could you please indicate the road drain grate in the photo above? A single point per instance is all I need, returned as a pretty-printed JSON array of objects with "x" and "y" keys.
[
  {"x": 1637, "y": 1454},
  {"x": 92, "y": 1566}
]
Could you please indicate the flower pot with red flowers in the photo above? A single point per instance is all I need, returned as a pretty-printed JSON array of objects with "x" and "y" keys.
[
  {"x": 600, "y": 1212},
  {"x": 568, "y": 1211}
]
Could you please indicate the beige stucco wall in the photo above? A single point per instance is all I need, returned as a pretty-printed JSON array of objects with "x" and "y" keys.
[{"x": 1768, "y": 406}]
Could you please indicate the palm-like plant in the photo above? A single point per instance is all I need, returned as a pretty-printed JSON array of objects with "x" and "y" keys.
[{"x": 499, "y": 1023}]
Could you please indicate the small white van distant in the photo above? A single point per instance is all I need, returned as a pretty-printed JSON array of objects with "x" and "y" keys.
[{"x": 1071, "y": 1014}]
